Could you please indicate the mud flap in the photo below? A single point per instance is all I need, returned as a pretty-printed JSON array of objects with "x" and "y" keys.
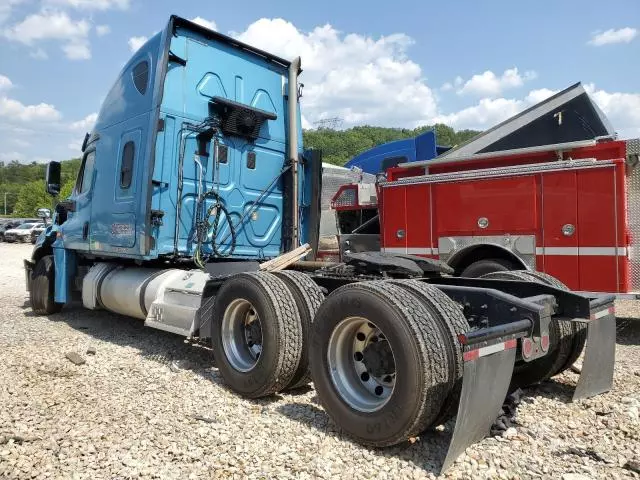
[
  {"x": 599, "y": 356},
  {"x": 485, "y": 383}
]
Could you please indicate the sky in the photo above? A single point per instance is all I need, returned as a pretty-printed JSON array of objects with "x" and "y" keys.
[{"x": 469, "y": 64}]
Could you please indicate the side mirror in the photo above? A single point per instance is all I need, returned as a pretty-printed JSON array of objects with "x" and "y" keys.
[
  {"x": 52, "y": 178},
  {"x": 43, "y": 213}
]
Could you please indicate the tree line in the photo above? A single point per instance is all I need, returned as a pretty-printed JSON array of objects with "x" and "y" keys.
[
  {"x": 22, "y": 189},
  {"x": 24, "y": 186}
]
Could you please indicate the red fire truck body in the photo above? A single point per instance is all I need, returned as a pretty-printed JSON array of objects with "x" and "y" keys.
[{"x": 566, "y": 210}]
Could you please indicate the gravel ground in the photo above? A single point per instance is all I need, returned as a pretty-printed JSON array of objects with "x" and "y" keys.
[{"x": 147, "y": 405}]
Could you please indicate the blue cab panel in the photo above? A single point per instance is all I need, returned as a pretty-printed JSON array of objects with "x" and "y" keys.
[
  {"x": 390, "y": 154},
  {"x": 147, "y": 162}
]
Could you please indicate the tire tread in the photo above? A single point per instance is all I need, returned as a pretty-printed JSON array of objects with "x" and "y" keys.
[{"x": 308, "y": 298}]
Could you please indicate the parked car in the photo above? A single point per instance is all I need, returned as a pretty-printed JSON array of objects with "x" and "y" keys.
[
  {"x": 8, "y": 225},
  {"x": 22, "y": 233},
  {"x": 35, "y": 233}
]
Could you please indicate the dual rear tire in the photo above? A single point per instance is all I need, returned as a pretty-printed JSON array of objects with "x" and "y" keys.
[
  {"x": 382, "y": 354},
  {"x": 566, "y": 339},
  {"x": 261, "y": 324},
  {"x": 383, "y": 363}
]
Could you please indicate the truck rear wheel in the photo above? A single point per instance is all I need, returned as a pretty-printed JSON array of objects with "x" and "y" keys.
[
  {"x": 483, "y": 267},
  {"x": 256, "y": 334},
  {"x": 452, "y": 323},
  {"x": 379, "y": 362},
  {"x": 41, "y": 294},
  {"x": 560, "y": 342},
  {"x": 308, "y": 298},
  {"x": 579, "y": 334}
]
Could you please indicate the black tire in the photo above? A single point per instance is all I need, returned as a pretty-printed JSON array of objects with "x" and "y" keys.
[
  {"x": 281, "y": 334},
  {"x": 308, "y": 297},
  {"x": 483, "y": 267},
  {"x": 560, "y": 342},
  {"x": 579, "y": 330},
  {"x": 41, "y": 294},
  {"x": 452, "y": 323},
  {"x": 419, "y": 353}
]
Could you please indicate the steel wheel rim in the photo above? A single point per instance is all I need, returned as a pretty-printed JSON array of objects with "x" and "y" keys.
[
  {"x": 363, "y": 373},
  {"x": 241, "y": 335}
]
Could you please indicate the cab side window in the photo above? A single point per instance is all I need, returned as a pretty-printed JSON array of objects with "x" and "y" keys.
[
  {"x": 126, "y": 169},
  {"x": 141, "y": 76},
  {"x": 85, "y": 176}
]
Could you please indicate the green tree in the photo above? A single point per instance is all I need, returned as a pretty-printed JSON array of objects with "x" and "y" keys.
[
  {"x": 338, "y": 147},
  {"x": 67, "y": 188},
  {"x": 31, "y": 197}
]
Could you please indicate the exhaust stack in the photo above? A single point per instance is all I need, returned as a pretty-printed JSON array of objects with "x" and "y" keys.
[{"x": 292, "y": 133}]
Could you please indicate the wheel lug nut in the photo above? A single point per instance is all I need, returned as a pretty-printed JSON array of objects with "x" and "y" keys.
[
  {"x": 379, "y": 390},
  {"x": 361, "y": 336},
  {"x": 358, "y": 356},
  {"x": 364, "y": 376}
]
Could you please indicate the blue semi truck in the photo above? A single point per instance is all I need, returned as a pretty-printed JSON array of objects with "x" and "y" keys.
[
  {"x": 381, "y": 157},
  {"x": 193, "y": 195}
]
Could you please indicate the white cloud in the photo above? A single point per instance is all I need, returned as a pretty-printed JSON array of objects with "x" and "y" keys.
[
  {"x": 39, "y": 54},
  {"x": 11, "y": 156},
  {"x": 53, "y": 25},
  {"x": 75, "y": 146},
  {"x": 77, "y": 50},
  {"x": 20, "y": 142},
  {"x": 6, "y": 8},
  {"x": 611, "y": 36},
  {"x": 488, "y": 112},
  {"x": 15, "y": 110},
  {"x": 5, "y": 83},
  {"x": 361, "y": 79},
  {"x": 623, "y": 109},
  {"x": 537, "y": 96},
  {"x": 48, "y": 25},
  {"x": 92, "y": 4},
  {"x": 136, "y": 42},
  {"x": 84, "y": 125},
  {"x": 489, "y": 84},
  {"x": 102, "y": 30},
  {"x": 210, "y": 24}
]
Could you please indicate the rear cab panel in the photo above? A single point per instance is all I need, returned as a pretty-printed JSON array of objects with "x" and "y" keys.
[
  {"x": 216, "y": 68},
  {"x": 132, "y": 190}
]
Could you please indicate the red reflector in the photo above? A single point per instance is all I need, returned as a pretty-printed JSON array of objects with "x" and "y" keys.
[
  {"x": 527, "y": 347},
  {"x": 545, "y": 343},
  {"x": 462, "y": 338},
  {"x": 471, "y": 355}
]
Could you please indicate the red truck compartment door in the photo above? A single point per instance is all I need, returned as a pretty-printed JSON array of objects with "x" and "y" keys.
[
  {"x": 558, "y": 254},
  {"x": 507, "y": 204},
  {"x": 598, "y": 233},
  {"x": 394, "y": 220}
]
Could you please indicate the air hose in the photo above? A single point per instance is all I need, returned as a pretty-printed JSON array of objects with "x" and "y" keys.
[{"x": 203, "y": 226}]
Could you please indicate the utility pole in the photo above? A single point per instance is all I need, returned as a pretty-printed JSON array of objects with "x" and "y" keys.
[{"x": 5, "y": 201}]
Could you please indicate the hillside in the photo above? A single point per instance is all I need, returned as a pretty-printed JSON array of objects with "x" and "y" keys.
[
  {"x": 339, "y": 146},
  {"x": 24, "y": 184}
]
